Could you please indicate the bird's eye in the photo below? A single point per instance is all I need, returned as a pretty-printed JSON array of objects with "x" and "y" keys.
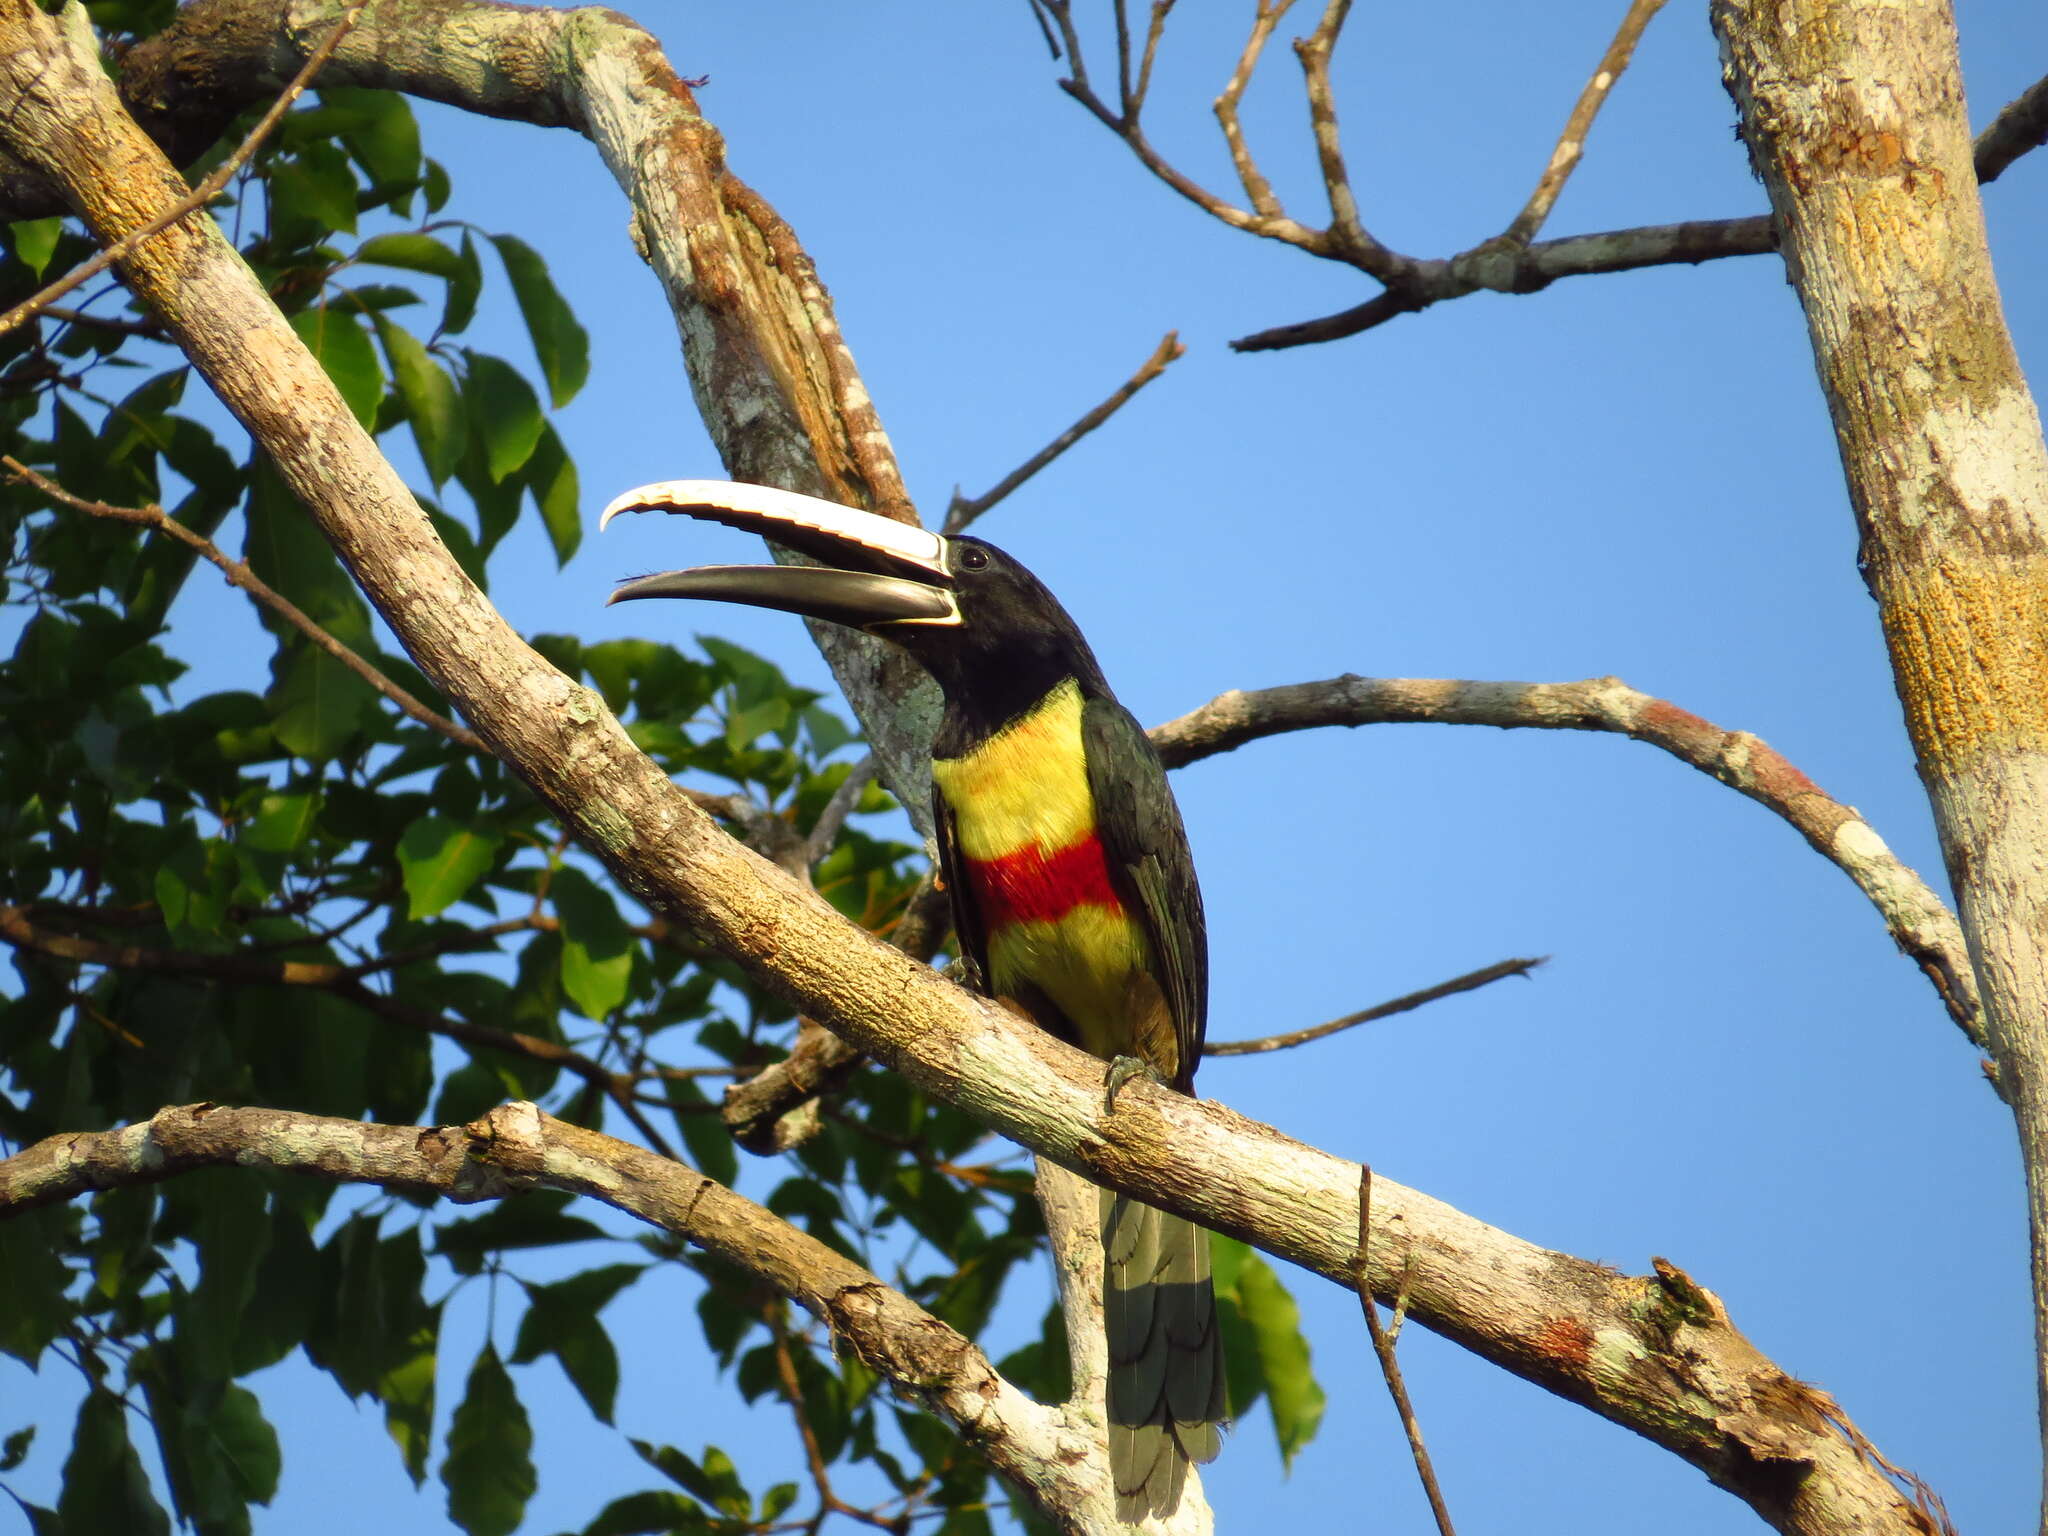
[{"x": 972, "y": 559}]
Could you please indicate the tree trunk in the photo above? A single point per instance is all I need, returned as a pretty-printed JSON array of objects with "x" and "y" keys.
[{"x": 1854, "y": 114}]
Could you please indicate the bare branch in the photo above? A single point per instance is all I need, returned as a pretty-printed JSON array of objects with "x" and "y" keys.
[
  {"x": 1571, "y": 144},
  {"x": 517, "y": 1147},
  {"x": 830, "y": 820},
  {"x": 965, "y": 510},
  {"x": 2021, "y": 127},
  {"x": 1917, "y": 918},
  {"x": 238, "y": 574},
  {"x": 200, "y": 195},
  {"x": 1256, "y": 187},
  {"x": 1470, "y": 981},
  {"x": 1314, "y": 52},
  {"x": 1390, "y": 1367}
]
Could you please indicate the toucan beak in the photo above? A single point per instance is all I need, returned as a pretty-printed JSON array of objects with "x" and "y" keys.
[{"x": 871, "y": 570}]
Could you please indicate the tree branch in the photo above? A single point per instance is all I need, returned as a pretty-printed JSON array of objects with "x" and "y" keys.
[
  {"x": 1470, "y": 981},
  {"x": 1918, "y": 920},
  {"x": 517, "y": 1147},
  {"x": 1390, "y": 1366},
  {"x": 2021, "y": 127},
  {"x": 1571, "y": 144},
  {"x": 965, "y": 510}
]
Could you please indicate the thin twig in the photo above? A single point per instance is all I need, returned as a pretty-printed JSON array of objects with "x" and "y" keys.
[
  {"x": 774, "y": 1314},
  {"x": 1917, "y": 918},
  {"x": 1571, "y": 144},
  {"x": 825, "y": 831},
  {"x": 965, "y": 510},
  {"x": 1154, "y": 30},
  {"x": 1470, "y": 981},
  {"x": 238, "y": 574},
  {"x": 1314, "y": 52},
  {"x": 1383, "y": 1348},
  {"x": 1256, "y": 187},
  {"x": 148, "y": 330},
  {"x": 200, "y": 195}
]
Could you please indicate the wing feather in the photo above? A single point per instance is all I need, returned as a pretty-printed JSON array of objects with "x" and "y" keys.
[{"x": 1149, "y": 863}]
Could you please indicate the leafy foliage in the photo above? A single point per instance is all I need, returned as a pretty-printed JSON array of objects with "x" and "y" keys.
[{"x": 303, "y": 898}]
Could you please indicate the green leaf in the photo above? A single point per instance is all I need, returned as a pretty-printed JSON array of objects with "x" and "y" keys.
[
  {"x": 320, "y": 704},
  {"x": 412, "y": 252},
  {"x": 281, "y": 823},
  {"x": 713, "y": 1480},
  {"x": 652, "y": 1512},
  {"x": 504, "y": 413},
  {"x": 434, "y": 182},
  {"x": 535, "y": 1219},
  {"x": 315, "y": 186},
  {"x": 464, "y": 289},
  {"x": 14, "y": 1450},
  {"x": 489, "y": 1468},
  {"x": 551, "y": 476},
  {"x": 104, "y": 1487},
  {"x": 597, "y": 946},
  {"x": 1292, "y": 1392},
  {"x": 284, "y": 546},
  {"x": 33, "y": 1280},
  {"x": 344, "y": 350},
  {"x": 440, "y": 860},
  {"x": 35, "y": 241},
  {"x": 561, "y": 344},
  {"x": 561, "y": 1320},
  {"x": 432, "y": 403}
]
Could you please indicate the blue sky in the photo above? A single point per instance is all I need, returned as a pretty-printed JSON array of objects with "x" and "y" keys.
[{"x": 1726, "y": 1063}]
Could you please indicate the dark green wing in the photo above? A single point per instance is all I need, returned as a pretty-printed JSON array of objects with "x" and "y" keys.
[
  {"x": 1149, "y": 863},
  {"x": 968, "y": 933}
]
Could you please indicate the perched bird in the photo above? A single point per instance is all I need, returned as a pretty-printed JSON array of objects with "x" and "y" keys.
[{"x": 1074, "y": 896}]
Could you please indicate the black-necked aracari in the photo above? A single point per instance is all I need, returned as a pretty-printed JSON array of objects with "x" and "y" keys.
[{"x": 1074, "y": 896}]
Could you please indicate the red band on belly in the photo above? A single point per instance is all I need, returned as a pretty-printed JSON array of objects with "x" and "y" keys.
[{"x": 1032, "y": 885}]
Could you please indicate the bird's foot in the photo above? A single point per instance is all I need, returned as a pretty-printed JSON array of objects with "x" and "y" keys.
[{"x": 1121, "y": 1070}]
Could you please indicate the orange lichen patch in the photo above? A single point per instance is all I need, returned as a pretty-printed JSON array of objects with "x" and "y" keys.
[
  {"x": 1563, "y": 1340},
  {"x": 1967, "y": 647}
]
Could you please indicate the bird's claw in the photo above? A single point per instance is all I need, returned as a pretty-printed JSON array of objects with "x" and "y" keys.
[{"x": 1121, "y": 1070}]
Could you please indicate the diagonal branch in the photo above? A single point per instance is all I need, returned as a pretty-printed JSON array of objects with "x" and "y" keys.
[
  {"x": 517, "y": 1147},
  {"x": 1919, "y": 921},
  {"x": 1571, "y": 144},
  {"x": 1469, "y": 982},
  {"x": 965, "y": 510},
  {"x": 1506, "y": 263}
]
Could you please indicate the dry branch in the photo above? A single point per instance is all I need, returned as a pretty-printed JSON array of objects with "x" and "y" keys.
[
  {"x": 1507, "y": 263},
  {"x": 1470, "y": 981},
  {"x": 517, "y": 1147},
  {"x": 965, "y": 510},
  {"x": 1916, "y": 917}
]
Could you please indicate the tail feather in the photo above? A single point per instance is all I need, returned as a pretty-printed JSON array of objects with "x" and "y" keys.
[{"x": 1166, "y": 1398}]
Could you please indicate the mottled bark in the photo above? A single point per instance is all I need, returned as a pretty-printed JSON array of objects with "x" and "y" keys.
[{"x": 1855, "y": 116}]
